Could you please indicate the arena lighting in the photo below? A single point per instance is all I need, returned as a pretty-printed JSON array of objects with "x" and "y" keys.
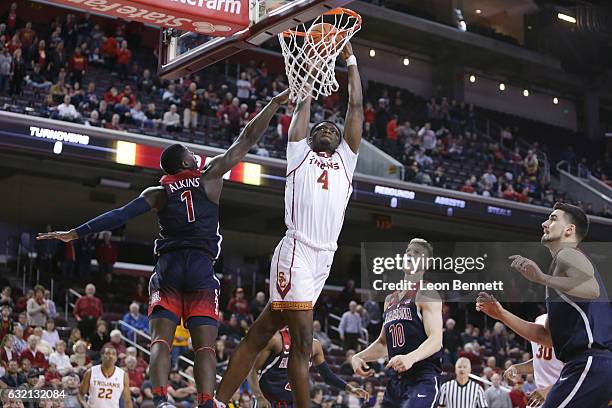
[
  {"x": 372, "y": 53},
  {"x": 406, "y": 62},
  {"x": 556, "y": 100},
  {"x": 502, "y": 86},
  {"x": 525, "y": 92},
  {"x": 566, "y": 17},
  {"x": 478, "y": 11},
  {"x": 114, "y": 183},
  {"x": 472, "y": 78}
]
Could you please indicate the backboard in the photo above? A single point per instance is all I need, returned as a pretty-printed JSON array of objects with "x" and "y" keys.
[{"x": 184, "y": 52}]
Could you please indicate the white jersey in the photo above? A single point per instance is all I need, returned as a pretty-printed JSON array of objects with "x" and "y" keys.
[
  {"x": 546, "y": 367},
  {"x": 105, "y": 392},
  {"x": 317, "y": 192}
]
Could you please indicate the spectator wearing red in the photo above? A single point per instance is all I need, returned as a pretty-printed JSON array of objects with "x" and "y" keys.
[
  {"x": 238, "y": 304},
  {"x": 6, "y": 323},
  {"x": 517, "y": 396},
  {"x": 27, "y": 36},
  {"x": 128, "y": 93},
  {"x": 391, "y": 141},
  {"x": 77, "y": 65},
  {"x": 135, "y": 374},
  {"x": 106, "y": 254},
  {"x": 468, "y": 187},
  {"x": 40, "y": 55},
  {"x": 114, "y": 124},
  {"x": 87, "y": 310},
  {"x": 124, "y": 56},
  {"x": 284, "y": 122},
  {"x": 52, "y": 377},
  {"x": 112, "y": 96},
  {"x": 7, "y": 353},
  {"x": 31, "y": 353},
  {"x": 109, "y": 49},
  {"x": 369, "y": 113},
  {"x": 11, "y": 19}
]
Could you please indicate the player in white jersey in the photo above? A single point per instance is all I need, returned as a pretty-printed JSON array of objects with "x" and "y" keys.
[
  {"x": 105, "y": 384},
  {"x": 544, "y": 366},
  {"x": 320, "y": 166}
]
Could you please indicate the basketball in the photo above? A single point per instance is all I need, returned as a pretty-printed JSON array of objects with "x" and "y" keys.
[{"x": 319, "y": 35}]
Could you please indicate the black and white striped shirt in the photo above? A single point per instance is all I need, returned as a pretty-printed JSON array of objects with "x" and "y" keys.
[{"x": 455, "y": 395}]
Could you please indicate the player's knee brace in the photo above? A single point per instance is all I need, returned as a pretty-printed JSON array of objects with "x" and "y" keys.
[
  {"x": 162, "y": 341},
  {"x": 206, "y": 349}
]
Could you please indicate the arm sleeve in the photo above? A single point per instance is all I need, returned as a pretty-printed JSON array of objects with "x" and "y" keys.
[
  {"x": 115, "y": 218},
  {"x": 329, "y": 377}
]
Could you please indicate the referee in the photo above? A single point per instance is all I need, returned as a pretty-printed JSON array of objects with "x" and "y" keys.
[{"x": 462, "y": 392}]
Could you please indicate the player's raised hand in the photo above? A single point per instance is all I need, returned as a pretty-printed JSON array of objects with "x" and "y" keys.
[
  {"x": 281, "y": 98},
  {"x": 360, "y": 367},
  {"x": 65, "y": 236},
  {"x": 347, "y": 51},
  {"x": 487, "y": 304},
  {"x": 401, "y": 363},
  {"x": 528, "y": 268},
  {"x": 358, "y": 391},
  {"x": 511, "y": 374}
]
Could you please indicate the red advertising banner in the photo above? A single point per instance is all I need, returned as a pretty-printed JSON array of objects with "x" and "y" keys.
[{"x": 210, "y": 17}]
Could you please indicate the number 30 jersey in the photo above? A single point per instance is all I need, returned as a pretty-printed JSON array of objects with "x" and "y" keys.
[
  {"x": 189, "y": 219},
  {"x": 546, "y": 367},
  {"x": 317, "y": 191},
  {"x": 405, "y": 332}
]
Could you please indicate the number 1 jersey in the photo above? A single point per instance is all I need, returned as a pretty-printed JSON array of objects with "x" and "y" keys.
[
  {"x": 189, "y": 219},
  {"x": 317, "y": 191}
]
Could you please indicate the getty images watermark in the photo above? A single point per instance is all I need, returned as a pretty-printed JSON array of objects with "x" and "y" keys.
[{"x": 458, "y": 271}]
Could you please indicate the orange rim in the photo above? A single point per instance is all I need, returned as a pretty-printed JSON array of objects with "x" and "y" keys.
[{"x": 354, "y": 14}]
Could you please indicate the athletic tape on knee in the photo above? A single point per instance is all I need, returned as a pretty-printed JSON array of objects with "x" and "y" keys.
[
  {"x": 161, "y": 341},
  {"x": 205, "y": 348}
]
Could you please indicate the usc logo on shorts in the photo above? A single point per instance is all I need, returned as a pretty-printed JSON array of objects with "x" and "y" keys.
[{"x": 282, "y": 280}]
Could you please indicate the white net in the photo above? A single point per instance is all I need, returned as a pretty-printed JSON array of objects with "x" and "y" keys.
[{"x": 310, "y": 52}]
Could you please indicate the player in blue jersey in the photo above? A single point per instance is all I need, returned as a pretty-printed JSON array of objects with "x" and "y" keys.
[
  {"x": 269, "y": 378},
  {"x": 411, "y": 338},
  {"x": 579, "y": 324},
  {"x": 183, "y": 284}
]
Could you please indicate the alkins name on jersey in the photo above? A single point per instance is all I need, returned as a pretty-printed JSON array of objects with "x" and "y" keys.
[
  {"x": 401, "y": 313},
  {"x": 323, "y": 165},
  {"x": 186, "y": 183}
]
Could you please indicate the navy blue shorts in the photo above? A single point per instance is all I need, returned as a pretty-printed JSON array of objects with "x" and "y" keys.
[
  {"x": 184, "y": 284},
  {"x": 419, "y": 392},
  {"x": 584, "y": 382}
]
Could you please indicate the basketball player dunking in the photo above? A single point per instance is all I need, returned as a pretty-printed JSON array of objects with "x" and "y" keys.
[
  {"x": 183, "y": 284},
  {"x": 579, "y": 324},
  {"x": 105, "y": 384},
  {"x": 320, "y": 167},
  {"x": 269, "y": 381},
  {"x": 411, "y": 337},
  {"x": 544, "y": 366}
]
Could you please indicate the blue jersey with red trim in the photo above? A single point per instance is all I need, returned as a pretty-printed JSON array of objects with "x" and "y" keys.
[
  {"x": 577, "y": 325},
  {"x": 273, "y": 377},
  {"x": 405, "y": 332},
  {"x": 189, "y": 219}
]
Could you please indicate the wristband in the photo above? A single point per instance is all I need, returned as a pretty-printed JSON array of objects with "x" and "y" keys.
[{"x": 351, "y": 61}]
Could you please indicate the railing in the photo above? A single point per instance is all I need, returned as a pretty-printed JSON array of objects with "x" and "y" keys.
[
  {"x": 364, "y": 338},
  {"x": 137, "y": 333},
  {"x": 70, "y": 294},
  {"x": 487, "y": 382},
  {"x": 600, "y": 185},
  {"x": 580, "y": 189}
]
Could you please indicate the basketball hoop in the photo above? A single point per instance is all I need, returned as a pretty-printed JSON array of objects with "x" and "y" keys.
[{"x": 310, "y": 52}]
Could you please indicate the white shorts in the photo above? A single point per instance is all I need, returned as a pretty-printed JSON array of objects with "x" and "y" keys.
[{"x": 297, "y": 274}]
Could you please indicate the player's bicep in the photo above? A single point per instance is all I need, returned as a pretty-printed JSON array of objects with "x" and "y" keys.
[
  {"x": 432, "y": 317},
  {"x": 300, "y": 121},
  {"x": 155, "y": 197}
]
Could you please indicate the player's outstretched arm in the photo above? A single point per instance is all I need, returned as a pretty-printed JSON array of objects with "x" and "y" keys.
[
  {"x": 300, "y": 121},
  {"x": 260, "y": 360},
  {"x": 84, "y": 389},
  {"x": 375, "y": 351},
  {"x": 353, "y": 123},
  {"x": 537, "y": 333},
  {"x": 519, "y": 369},
  {"x": 249, "y": 136},
  {"x": 318, "y": 360},
  {"x": 431, "y": 310},
  {"x": 152, "y": 197}
]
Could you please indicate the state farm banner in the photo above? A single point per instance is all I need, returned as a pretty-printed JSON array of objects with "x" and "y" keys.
[{"x": 210, "y": 17}]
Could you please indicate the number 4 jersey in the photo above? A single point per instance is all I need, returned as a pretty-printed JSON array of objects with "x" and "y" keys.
[
  {"x": 189, "y": 219},
  {"x": 546, "y": 367},
  {"x": 317, "y": 192}
]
